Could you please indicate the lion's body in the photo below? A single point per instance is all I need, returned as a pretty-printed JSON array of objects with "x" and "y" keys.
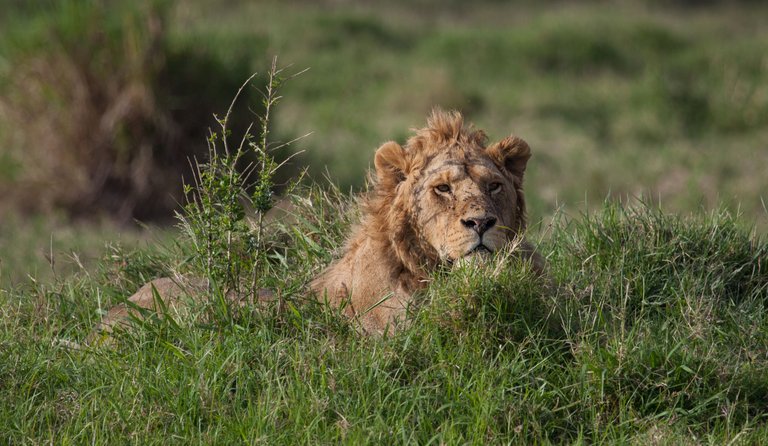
[
  {"x": 442, "y": 198},
  {"x": 173, "y": 292},
  {"x": 176, "y": 294},
  {"x": 368, "y": 281}
]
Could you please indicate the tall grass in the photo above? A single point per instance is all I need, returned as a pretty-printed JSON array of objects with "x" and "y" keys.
[{"x": 653, "y": 328}]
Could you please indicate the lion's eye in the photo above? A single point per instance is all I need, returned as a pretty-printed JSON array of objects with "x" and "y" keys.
[
  {"x": 494, "y": 187},
  {"x": 443, "y": 188}
]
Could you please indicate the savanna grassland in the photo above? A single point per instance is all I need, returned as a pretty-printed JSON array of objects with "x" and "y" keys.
[{"x": 646, "y": 191}]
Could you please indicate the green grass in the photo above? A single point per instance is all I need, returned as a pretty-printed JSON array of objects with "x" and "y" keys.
[
  {"x": 51, "y": 248},
  {"x": 654, "y": 329}
]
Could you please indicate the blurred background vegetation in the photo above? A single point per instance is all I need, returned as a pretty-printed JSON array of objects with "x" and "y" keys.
[{"x": 102, "y": 102}]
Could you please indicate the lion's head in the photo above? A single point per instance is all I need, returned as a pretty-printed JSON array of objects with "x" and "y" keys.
[{"x": 447, "y": 194}]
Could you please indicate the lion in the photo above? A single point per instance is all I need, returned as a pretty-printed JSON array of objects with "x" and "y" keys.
[{"x": 444, "y": 197}]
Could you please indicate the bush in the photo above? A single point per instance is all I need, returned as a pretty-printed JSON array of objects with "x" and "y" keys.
[{"x": 102, "y": 109}]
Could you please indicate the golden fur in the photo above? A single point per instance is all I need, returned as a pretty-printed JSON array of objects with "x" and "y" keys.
[
  {"x": 176, "y": 293},
  {"x": 443, "y": 197}
]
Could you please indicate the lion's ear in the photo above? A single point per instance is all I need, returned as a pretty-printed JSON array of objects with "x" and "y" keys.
[
  {"x": 391, "y": 162},
  {"x": 511, "y": 153}
]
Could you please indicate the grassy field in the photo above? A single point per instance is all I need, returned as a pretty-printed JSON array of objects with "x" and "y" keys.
[
  {"x": 655, "y": 333},
  {"x": 654, "y": 330}
]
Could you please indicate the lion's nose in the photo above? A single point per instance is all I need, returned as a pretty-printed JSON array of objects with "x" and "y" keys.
[{"x": 479, "y": 224}]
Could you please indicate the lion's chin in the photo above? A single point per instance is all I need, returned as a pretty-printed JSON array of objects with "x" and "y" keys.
[{"x": 480, "y": 254}]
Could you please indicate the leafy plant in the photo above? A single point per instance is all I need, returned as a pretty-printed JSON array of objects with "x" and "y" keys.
[{"x": 233, "y": 181}]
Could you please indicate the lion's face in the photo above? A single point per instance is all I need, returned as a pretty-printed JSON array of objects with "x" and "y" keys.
[
  {"x": 464, "y": 204},
  {"x": 448, "y": 196}
]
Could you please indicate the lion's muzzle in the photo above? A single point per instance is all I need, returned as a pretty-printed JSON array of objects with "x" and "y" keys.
[{"x": 479, "y": 224}]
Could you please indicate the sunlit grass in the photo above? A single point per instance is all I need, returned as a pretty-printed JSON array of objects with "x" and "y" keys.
[{"x": 653, "y": 326}]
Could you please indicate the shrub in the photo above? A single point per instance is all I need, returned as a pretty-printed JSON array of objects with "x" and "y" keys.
[{"x": 102, "y": 109}]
